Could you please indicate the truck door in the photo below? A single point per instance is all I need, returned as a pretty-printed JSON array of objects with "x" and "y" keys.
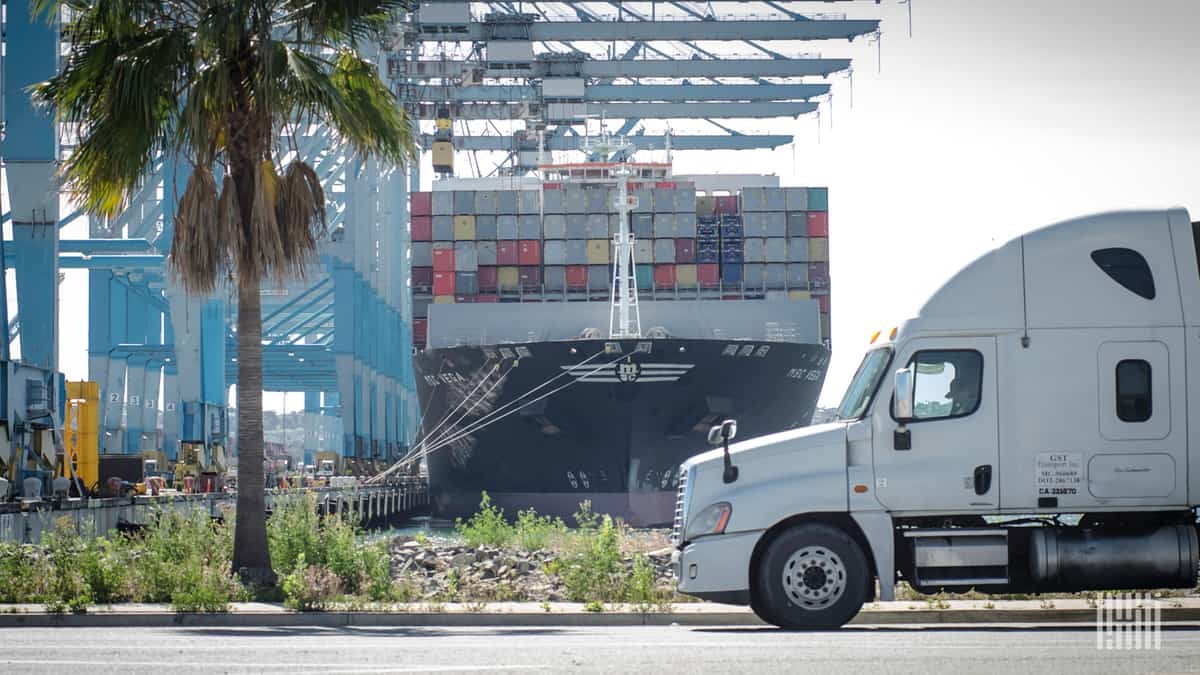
[{"x": 950, "y": 458}]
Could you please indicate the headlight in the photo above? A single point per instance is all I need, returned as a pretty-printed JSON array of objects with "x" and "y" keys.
[{"x": 712, "y": 520}]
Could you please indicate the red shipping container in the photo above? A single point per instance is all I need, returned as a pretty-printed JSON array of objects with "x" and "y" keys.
[
  {"x": 577, "y": 276},
  {"x": 818, "y": 223},
  {"x": 529, "y": 252},
  {"x": 487, "y": 278},
  {"x": 823, "y": 303},
  {"x": 726, "y": 204},
  {"x": 422, "y": 228},
  {"x": 420, "y": 329},
  {"x": 506, "y": 253},
  {"x": 665, "y": 185},
  {"x": 443, "y": 283},
  {"x": 443, "y": 259},
  {"x": 818, "y": 275},
  {"x": 708, "y": 274},
  {"x": 685, "y": 251},
  {"x": 422, "y": 203},
  {"x": 422, "y": 277},
  {"x": 531, "y": 277},
  {"x": 664, "y": 276},
  {"x": 487, "y": 298},
  {"x": 551, "y": 186}
]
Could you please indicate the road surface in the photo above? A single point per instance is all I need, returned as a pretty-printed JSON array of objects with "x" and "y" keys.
[{"x": 667, "y": 649}]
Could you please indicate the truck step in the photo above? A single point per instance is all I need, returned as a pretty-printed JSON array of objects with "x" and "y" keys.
[{"x": 960, "y": 557}]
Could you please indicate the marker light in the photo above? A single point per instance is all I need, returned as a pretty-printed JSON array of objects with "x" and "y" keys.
[
  {"x": 874, "y": 337},
  {"x": 892, "y": 335}
]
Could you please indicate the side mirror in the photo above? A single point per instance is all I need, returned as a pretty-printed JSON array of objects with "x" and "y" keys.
[
  {"x": 904, "y": 395},
  {"x": 720, "y": 433}
]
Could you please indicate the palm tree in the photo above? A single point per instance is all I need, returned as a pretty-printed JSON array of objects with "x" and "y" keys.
[{"x": 219, "y": 83}]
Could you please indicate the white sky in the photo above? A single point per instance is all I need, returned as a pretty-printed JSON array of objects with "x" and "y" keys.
[{"x": 994, "y": 118}]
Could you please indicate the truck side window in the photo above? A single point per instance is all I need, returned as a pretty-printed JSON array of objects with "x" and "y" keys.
[
  {"x": 948, "y": 383},
  {"x": 1196, "y": 241},
  {"x": 1134, "y": 402},
  {"x": 1128, "y": 268}
]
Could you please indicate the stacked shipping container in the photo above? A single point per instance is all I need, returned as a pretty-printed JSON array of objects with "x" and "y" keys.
[{"x": 556, "y": 244}]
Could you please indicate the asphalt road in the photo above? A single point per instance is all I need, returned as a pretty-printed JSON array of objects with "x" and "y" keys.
[{"x": 991, "y": 649}]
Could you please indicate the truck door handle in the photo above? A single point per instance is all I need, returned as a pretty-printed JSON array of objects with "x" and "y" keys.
[{"x": 983, "y": 479}]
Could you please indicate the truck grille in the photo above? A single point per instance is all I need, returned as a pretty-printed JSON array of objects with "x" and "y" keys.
[{"x": 680, "y": 509}]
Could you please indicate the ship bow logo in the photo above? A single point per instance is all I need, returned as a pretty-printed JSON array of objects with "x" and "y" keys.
[{"x": 628, "y": 372}]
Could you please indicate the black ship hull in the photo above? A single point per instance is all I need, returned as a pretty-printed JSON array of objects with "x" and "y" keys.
[{"x": 547, "y": 425}]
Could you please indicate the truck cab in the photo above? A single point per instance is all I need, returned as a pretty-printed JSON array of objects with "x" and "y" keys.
[{"x": 1027, "y": 431}]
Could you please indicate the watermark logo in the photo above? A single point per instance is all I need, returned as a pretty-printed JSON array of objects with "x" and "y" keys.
[{"x": 1128, "y": 621}]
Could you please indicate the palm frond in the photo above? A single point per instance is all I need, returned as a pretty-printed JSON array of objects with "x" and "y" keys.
[
  {"x": 300, "y": 214},
  {"x": 119, "y": 93},
  {"x": 196, "y": 247},
  {"x": 352, "y": 98},
  {"x": 349, "y": 21},
  {"x": 228, "y": 219}
]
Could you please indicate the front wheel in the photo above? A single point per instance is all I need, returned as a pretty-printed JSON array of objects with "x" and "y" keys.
[{"x": 811, "y": 576}]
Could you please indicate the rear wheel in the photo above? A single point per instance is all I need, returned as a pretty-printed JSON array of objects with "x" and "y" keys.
[{"x": 811, "y": 576}]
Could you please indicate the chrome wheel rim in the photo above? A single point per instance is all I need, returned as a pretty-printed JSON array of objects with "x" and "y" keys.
[{"x": 814, "y": 578}]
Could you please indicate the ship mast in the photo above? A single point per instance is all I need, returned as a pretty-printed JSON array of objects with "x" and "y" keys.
[{"x": 624, "y": 320}]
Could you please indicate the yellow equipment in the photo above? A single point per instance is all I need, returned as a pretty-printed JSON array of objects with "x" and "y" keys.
[
  {"x": 443, "y": 156},
  {"x": 204, "y": 468},
  {"x": 82, "y": 438}
]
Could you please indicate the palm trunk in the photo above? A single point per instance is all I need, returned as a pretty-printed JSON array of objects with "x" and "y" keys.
[{"x": 251, "y": 556}]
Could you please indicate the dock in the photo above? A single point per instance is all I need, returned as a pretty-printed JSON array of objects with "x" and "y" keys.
[{"x": 372, "y": 507}]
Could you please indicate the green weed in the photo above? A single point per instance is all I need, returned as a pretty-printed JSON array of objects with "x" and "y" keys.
[
  {"x": 487, "y": 527},
  {"x": 533, "y": 532}
]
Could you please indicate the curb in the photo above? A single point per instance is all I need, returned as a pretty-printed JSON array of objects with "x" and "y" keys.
[{"x": 274, "y": 616}]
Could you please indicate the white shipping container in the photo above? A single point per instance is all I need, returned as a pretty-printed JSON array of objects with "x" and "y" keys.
[
  {"x": 509, "y": 51},
  {"x": 563, "y": 88}
]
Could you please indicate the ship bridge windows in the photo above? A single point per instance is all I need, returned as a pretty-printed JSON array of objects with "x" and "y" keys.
[{"x": 1128, "y": 268}]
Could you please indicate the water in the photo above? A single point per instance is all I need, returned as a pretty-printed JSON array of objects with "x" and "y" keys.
[{"x": 437, "y": 531}]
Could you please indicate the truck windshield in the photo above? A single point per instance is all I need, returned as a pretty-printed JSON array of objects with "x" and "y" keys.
[{"x": 865, "y": 382}]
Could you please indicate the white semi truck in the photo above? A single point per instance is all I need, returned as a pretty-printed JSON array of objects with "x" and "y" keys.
[{"x": 1035, "y": 428}]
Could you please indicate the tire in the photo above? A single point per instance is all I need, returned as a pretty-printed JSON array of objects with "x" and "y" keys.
[{"x": 811, "y": 576}]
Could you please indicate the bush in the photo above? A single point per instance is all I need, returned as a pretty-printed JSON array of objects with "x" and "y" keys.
[
  {"x": 67, "y": 588},
  {"x": 594, "y": 571},
  {"x": 294, "y": 529},
  {"x": 641, "y": 591},
  {"x": 107, "y": 568},
  {"x": 296, "y": 533},
  {"x": 23, "y": 573},
  {"x": 180, "y": 553},
  {"x": 487, "y": 527},
  {"x": 207, "y": 589},
  {"x": 533, "y": 533},
  {"x": 310, "y": 588},
  {"x": 376, "y": 580}
]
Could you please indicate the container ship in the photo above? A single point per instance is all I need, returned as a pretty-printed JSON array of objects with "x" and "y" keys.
[{"x": 578, "y": 333}]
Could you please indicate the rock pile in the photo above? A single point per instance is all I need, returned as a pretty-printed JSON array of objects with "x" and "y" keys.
[{"x": 457, "y": 571}]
